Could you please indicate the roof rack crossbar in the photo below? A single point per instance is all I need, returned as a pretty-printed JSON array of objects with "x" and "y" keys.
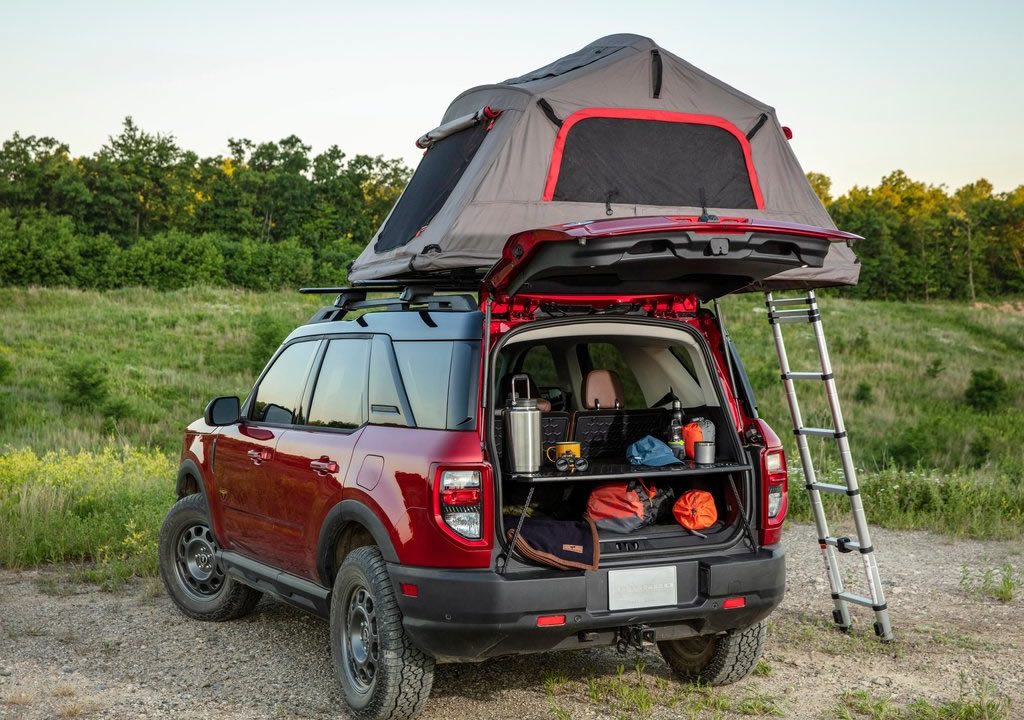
[{"x": 354, "y": 298}]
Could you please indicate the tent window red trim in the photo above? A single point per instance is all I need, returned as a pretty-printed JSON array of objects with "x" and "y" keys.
[{"x": 650, "y": 115}]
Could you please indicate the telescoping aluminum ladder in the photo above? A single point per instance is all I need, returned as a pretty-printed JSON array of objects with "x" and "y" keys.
[{"x": 805, "y": 310}]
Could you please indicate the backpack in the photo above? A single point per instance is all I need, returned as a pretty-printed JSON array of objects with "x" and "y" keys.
[{"x": 624, "y": 507}]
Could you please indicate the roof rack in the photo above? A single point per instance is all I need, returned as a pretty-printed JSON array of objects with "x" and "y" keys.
[{"x": 419, "y": 295}]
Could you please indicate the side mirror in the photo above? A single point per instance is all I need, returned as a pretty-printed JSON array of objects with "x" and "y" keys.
[{"x": 223, "y": 410}]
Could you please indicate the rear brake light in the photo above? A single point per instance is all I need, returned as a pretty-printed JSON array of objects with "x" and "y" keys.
[
  {"x": 774, "y": 494},
  {"x": 460, "y": 496},
  {"x": 550, "y": 620}
]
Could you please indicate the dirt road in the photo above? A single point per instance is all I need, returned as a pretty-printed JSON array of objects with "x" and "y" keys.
[{"x": 71, "y": 650}]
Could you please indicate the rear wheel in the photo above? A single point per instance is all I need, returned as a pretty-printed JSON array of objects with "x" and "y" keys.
[
  {"x": 189, "y": 568},
  {"x": 383, "y": 675},
  {"x": 715, "y": 659}
]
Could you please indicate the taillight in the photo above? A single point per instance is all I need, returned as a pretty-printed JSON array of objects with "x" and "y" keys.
[
  {"x": 460, "y": 501},
  {"x": 774, "y": 487}
]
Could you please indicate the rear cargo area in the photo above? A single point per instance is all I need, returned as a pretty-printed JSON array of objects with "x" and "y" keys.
[{"x": 606, "y": 385}]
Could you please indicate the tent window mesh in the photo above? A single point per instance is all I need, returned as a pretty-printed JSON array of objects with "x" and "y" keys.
[
  {"x": 436, "y": 176},
  {"x": 653, "y": 162}
]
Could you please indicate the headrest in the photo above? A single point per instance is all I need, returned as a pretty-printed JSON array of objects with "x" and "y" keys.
[
  {"x": 506, "y": 391},
  {"x": 602, "y": 389}
]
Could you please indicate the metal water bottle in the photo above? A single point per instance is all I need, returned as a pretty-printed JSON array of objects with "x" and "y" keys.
[{"x": 522, "y": 429}]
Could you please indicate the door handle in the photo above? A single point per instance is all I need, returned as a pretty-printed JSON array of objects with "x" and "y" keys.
[
  {"x": 259, "y": 456},
  {"x": 324, "y": 465}
]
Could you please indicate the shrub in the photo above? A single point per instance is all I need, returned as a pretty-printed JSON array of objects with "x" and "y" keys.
[
  {"x": 85, "y": 385},
  {"x": 36, "y": 250},
  {"x": 935, "y": 368},
  {"x": 864, "y": 394},
  {"x": 174, "y": 260},
  {"x": 268, "y": 332},
  {"x": 6, "y": 366},
  {"x": 986, "y": 391}
]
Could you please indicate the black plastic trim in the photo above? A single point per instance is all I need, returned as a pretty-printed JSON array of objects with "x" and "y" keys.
[
  {"x": 188, "y": 468},
  {"x": 337, "y": 518},
  {"x": 298, "y": 592}
]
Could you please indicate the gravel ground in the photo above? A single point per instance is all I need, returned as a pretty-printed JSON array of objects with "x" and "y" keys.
[{"x": 71, "y": 650}]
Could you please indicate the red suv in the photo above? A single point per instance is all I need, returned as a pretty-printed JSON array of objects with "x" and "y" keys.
[{"x": 366, "y": 477}]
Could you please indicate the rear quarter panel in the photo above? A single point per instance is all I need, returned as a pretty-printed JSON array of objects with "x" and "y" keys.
[{"x": 403, "y": 496}]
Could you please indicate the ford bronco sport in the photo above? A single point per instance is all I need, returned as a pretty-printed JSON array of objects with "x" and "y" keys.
[{"x": 365, "y": 480}]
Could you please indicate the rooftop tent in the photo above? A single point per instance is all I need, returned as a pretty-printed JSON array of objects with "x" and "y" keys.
[{"x": 621, "y": 128}]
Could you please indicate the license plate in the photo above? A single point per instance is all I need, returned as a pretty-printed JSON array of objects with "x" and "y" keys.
[{"x": 641, "y": 588}]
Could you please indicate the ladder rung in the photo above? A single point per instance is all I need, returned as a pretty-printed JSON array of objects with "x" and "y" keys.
[
  {"x": 807, "y": 376},
  {"x": 789, "y": 320},
  {"x": 858, "y": 600},
  {"x": 844, "y": 544},
  {"x": 819, "y": 432},
  {"x": 781, "y": 302},
  {"x": 828, "y": 487},
  {"x": 804, "y": 314}
]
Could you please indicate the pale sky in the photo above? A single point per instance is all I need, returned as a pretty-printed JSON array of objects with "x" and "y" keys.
[{"x": 934, "y": 88}]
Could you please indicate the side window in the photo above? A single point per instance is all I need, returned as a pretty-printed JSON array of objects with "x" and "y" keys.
[
  {"x": 540, "y": 365},
  {"x": 426, "y": 369},
  {"x": 339, "y": 397},
  {"x": 605, "y": 356},
  {"x": 279, "y": 394}
]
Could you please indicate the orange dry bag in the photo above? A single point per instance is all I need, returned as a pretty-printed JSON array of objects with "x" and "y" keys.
[{"x": 695, "y": 510}]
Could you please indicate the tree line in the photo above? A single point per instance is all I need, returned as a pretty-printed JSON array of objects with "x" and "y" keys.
[{"x": 144, "y": 211}]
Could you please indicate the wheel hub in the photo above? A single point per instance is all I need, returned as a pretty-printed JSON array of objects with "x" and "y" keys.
[
  {"x": 361, "y": 639},
  {"x": 196, "y": 561}
]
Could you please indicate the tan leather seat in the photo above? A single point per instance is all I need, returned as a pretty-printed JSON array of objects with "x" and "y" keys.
[{"x": 602, "y": 390}]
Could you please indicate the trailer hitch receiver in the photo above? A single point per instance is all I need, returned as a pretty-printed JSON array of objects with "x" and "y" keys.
[{"x": 635, "y": 636}]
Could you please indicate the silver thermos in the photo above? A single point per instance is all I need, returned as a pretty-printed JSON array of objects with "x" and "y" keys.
[{"x": 522, "y": 429}]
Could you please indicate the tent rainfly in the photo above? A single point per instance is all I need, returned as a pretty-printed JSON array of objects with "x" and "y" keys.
[{"x": 621, "y": 128}]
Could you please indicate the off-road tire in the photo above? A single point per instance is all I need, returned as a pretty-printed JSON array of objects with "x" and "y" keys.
[
  {"x": 715, "y": 659},
  {"x": 403, "y": 674},
  {"x": 224, "y": 598}
]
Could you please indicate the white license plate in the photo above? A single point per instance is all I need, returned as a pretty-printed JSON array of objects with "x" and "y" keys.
[{"x": 641, "y": 588}]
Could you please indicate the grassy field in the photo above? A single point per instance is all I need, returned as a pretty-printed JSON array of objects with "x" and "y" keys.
[{"x": 95, "y": 389}]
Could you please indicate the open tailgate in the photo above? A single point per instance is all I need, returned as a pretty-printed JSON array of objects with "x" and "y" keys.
[{"x": 657, "y": 255}]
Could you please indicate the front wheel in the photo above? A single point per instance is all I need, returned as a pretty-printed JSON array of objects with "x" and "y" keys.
[
  {"x": 383, "y": 675},
  {"x": 189, "y": 568},
  {"x": 715, "y": 659}
]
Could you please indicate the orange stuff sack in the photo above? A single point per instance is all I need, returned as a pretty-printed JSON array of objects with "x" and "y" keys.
[
  {"x": 695, "y": 510},
  {"x": 692, "y": 433},
  {"x": 697, "y": 430}
]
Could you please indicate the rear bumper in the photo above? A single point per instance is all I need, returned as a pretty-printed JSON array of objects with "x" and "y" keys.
[{"x": 465, "y": 615}]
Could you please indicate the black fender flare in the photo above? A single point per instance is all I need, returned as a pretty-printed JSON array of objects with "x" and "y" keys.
[
  {"x": 337, "y": 519},
  {"x": 188, "y": 468}
]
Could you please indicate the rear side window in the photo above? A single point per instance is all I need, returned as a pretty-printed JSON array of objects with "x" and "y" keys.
[
  {"x": 436, "y": 176},
  {"x": 441, "y": 380},
  {"x": 339, "y": 397},
  {"x": 280, "y": 391},
  {"x": 661, "y": 158},
  {"x": 540, "y": 365}
]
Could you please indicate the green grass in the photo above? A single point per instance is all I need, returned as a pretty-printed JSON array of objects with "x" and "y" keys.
[
  {"x": 903, "y": 370},
  {"x": 104, "y": 507},
  {"x": 85, "y": 375},
  {"x": 162, "y": 357},
  {"x": 984, "y": 703}
]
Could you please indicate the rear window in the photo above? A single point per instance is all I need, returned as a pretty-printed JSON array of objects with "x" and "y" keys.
[
  {"x": 645, "y": 161},
  {"x": 436, "y": 176},
  {"x": 441, "y": 380}
]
